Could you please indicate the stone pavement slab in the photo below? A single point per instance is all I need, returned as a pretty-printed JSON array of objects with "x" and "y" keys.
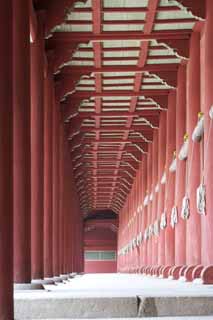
[{"x": 115, "y": 296}]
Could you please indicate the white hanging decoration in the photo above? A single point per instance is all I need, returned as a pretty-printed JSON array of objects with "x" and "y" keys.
[
  {"x": 134, "y": 243},
  {"x": 156, "y": 228},
  {"x": 163, "y": 221},
  {"x": 151, "y": 197},
  {"x": 201, "y": 199},
  {"x": 174, "y": 217},
  {"x": 157, "y": 188},
  {"x": 211, "y": 112},
  {"x": 151, "y": 230},
  {"x": 139, "y": 239},
  {"x": 183, "y": 153},
  {"x": 146, "y": 201},
  {"x": 173, "y": 165},
  {"x": 146, "y": 234},
  {"x": 199, "y": 129},
  {"x": 163, "y": 179},
  {"x": 185, "y": 211}
]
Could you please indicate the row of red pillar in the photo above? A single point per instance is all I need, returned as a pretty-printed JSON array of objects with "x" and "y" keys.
[
  {"x": 187, "y": 247},
  {"x": 40, "y": 221}
]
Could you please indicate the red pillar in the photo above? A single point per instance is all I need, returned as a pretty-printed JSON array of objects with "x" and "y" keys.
[
  {"x": 207, "y": 221},
  {"x": 180, "y": 231},
  {"x": 193, "y": 226},
  {"x": 55, "y": 190},
  {"x": 170, "y": 183},
  {"x": 48, "y": 179},
  {"x": 61, "y": 197},
  {"x": 144, "y": 212},
  {"x": 37, "y": 152},
  {"x": 6, "y": 164},
  {"x": 149, "y": 207},
  {"x": 155, "y": 196},
  {"x": 21, "y": 146},
  {"x": 161, "y": 192}
]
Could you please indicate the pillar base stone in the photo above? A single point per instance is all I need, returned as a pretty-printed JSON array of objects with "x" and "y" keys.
[
  {"x": 64, "y": 277},
  {"x": 42, "y": 281},
  {"x": 182, "y": 279},
  {"x": 50, "y": 280},
  {"x": 188, "y": 272},
  {"x": 27, "y": 286},
  {"x": 207, "y": 275},
  {"x": 197, "y": 272},
  {"x": 57, "y": 279},
  {"x": 198, "y": 281}
]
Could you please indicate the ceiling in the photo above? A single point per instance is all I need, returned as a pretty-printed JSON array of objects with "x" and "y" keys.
[{"x": 115, "y": 63}]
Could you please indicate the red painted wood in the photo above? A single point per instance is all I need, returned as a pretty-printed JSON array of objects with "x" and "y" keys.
[
  {"x": 37, "y": 164},
  {"x": 48, "y": 177},
  {"x": 55, "y": 114},
  {"x": 161, "y": 196},
  {"x": 193, "y": 227},
  {"x": 121, "y": 35},
  {"x": 6, "y": 164},
  {"x": 207, "y": 224},
  {"x": 170, "y": 183},
  {"x": 21, "y": 138},
  {"x": 180, "y": 184},
  {"x": 155, "y": 239},
  {"x": 87, "y": 70}
]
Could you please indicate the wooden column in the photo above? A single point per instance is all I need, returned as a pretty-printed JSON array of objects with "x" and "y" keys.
[
  {"x": 207, "y": 221},
  {"x": 155, "y": 196},
  {"x": 55, "y": 190},
  {"x": 170, "y": 182},
  {"x": 48, "y": 172},
  {"x": 6, "y": 164},
  {"x": 37, "y": 151},
  {"x": 21, "y": 145},
  {"x": 161, "y": 193},
  {"x": 193, "y": 227},
  {"x": 180, "y": 231}
]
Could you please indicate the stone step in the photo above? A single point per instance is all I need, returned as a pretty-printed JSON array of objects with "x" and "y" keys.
[
  {"x": 53, "y": 306},
  {"x": 59, "y": 306},
  {"x": 155, "y": 318},
  {"x": 175, "y": 306}
]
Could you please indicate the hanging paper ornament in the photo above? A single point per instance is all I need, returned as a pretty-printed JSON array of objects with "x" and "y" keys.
[
  {"x": 156, "y": 228},
  {"x": 174, "y": 217},
  {"x": 163, "y": 221},
  {"x": 201, "y": 199},
  {"x": 199, "y": 129},
  {"x": 185, "y": 211}
]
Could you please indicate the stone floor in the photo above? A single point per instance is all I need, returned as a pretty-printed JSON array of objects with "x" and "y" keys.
[{"x": 116, "y": 296}]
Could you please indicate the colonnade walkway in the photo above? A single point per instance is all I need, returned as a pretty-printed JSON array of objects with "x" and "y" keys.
[{"x": 100, "y": 296}]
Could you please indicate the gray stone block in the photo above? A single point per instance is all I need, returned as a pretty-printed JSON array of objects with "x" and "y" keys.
[
  {"x": 175, "y": 306},
  {"x": 69, "y": 308}
]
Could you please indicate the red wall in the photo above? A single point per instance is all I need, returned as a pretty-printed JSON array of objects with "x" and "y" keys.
[
  {"x": 100, "y": 266},
  {"x": 100, "y": 239}
]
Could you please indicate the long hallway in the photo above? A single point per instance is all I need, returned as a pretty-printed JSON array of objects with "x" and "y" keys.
[{"x": 106, "y": 155}]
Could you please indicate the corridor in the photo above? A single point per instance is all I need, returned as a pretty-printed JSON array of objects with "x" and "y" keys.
[{"x": 106, "y": 161}]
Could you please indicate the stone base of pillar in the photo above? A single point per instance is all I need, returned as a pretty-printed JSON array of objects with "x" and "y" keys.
[
  {"x": 28, "y": 286},
  {"x": 57, "y": 279},
  {"x": 43, "y": 282},
  {"x": 64, "y": 277},
  {"x": 181, "y": 273},
  {"x": 197, "y": 272},
  {"x": 165, "y": 271},
  {"x": 207, "y": 275},
  {"x": 188, "y": 273},
  {"x": 176, "y": 272},
  {"x": 72, "y": 275}
]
